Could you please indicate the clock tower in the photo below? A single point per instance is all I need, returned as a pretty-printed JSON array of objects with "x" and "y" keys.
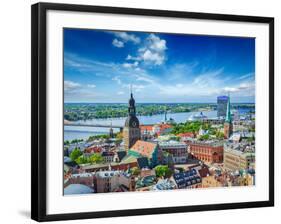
[{"x": 131, "y": 132}]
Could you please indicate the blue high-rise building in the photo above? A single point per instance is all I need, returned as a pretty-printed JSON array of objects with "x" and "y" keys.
[{"x": 222, "y": 106}]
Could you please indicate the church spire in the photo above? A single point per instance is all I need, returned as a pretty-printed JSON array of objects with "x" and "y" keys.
[
  {"x": 111, "y": 133},
  {"x": 132, "y": 108},
  {"x": 228, "y": 113},
  {"x": 131, "y": 132}
]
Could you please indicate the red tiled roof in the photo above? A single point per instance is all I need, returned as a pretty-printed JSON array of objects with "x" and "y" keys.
[
  {"x": 93, "y": 149},
  {"x": 146, "y": 127},
  {"x": 186, "y": 134},
  {"x": 144, "y": 148},
  {"x": 204, "y": 172},
  {"x": 164, "y": 126}
]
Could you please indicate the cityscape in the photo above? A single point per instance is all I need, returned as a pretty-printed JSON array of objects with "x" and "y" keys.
[{"x": 142, "y": 139}]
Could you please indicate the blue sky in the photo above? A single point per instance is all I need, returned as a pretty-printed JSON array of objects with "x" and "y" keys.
[{"x": 100, "y": 66}]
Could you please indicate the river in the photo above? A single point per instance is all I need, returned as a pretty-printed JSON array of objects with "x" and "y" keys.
[
  {"x": 71, "y": 133},
  {"x": 84, "y": 132}
]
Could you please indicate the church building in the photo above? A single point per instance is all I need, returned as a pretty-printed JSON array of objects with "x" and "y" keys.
[
  {"x": 228, "y": 127},
  {"x": 131, "y": 131}
]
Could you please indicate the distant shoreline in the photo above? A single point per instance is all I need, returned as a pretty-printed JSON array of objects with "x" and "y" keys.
[
  {"x": 126, "y": 103},
  {"x": 87, "y": 111}
]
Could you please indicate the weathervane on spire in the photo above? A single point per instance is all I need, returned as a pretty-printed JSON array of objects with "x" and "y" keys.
[{"x": 131, "y": 89}]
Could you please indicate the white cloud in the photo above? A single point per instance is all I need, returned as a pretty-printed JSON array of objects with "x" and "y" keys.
[
  {"x": 157, "y": 44},
  {"x": 210, "y": 84},
  {"x": 205, "y": 84},
  {"x": 117, "y": 43},
  {"x": 151, "y": 52},
  {"x": 70, "y": 85},
  {"x": 230, "y": 89},
  {"x": 135, "y": 87},
  {"x": 91, "y": 67},
  {"x": 130, "y": 57},
  {"x": 131, "y": 65},
  {"x": 117, "y": 79},
  {"x": 246, "y": 76},
  {"x": 179, "y": 85},
  {"x": 144, "y": 79},
  {"x": 91, "y": 85},
  {"x": 153, "y": 57},
  {"x": 127, "y": 65},
  {"x": 240, "y": 87},
  {"x": 209, "y": 79},
  {"x": 120, "y": 93},
  {"x": 125, "y": 37}
]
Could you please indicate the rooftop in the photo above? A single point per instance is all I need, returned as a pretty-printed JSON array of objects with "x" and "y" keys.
[
  {"x": 171, "y": 143},
  {"x": 240, "y": 147},
  {"x": 143, "y": 148},
  {"x": 239, "y": 152},
  {"x": 146, "y": 127},
  {"x": 186, "y": 134},
  {"x": 164, "y": 184},
  {"x": 81, "y": 175},
  {"x": 107, "y": 174},
  {"x": 187, "y": 178},
  {"x": 77, "y": 189},
  {"x": 213, "y": 143}
]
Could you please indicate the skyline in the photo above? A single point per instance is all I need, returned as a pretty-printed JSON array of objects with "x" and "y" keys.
[{"x": 100, "y": 66}]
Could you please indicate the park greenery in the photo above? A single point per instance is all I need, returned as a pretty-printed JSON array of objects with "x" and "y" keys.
[
  {"x": 163, "y": 171},
  {"x": 97, "y": 137},
  {"x": 77, "y": 156},
  {"x": 67, "y": 142},
  {"x": 135, "y": 171},
  {"x": 195, "y": 126}
]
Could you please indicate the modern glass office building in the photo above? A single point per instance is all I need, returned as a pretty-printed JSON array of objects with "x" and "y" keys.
[{"x": 222, "y": 106}]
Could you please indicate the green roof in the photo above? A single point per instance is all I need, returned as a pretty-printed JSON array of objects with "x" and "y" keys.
[
  {"x": 134, "y": 153},
  {"x": 228, "y": 113},
  {"x": 129, "y": 159}
]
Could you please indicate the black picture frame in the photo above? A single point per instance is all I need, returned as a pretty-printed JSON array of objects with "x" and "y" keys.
[{"x": 39, "y": 122}]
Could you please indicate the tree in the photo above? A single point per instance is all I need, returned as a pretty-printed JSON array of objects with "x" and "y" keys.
[
  {"x": 75, "y": 154},
  {"x": 219, "y": 134},
  {"x": 193, "y": 127},
  {"x": 206, "y": 126},
  {"x": 163, "y": 171},
  {"x": 94, "y": 137},
  {"x": 251, "y": 139},
  {"x": 82, "y": 160},
  {"x": 204, "y": 137},
  {"x": 135, "y": 171},
  {"x": 119, "y": 135},
  {"x": 96, "y": 158},
  {"x": 76, "y": 141}
]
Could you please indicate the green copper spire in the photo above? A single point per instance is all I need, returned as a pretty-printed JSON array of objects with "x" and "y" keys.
[{"x": 228, "y": 113}]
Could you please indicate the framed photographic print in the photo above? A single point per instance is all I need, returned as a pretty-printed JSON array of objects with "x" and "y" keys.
[{"x": 138, "y": 111}]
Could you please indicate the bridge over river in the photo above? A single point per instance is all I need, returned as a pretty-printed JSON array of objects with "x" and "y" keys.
[{"x": 94, "y": 125}]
